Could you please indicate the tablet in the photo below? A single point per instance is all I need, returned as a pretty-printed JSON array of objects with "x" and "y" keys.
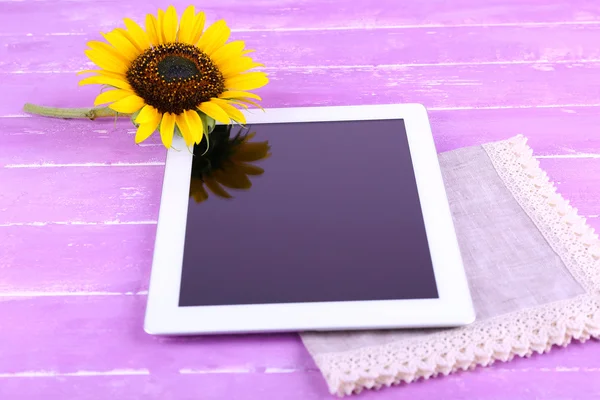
[{"x": 304, "y": 219}]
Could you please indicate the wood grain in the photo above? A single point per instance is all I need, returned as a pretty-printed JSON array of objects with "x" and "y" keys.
[
  {"x": 69, "y": 334},
  {"x": 132, "y": 194},
  {"x": 103, "y": 259},
  {"x": 76, "y": 240},
  {"x": 510, "y": 45},
  {"x": 105, "y": 195},
  {"x": 488, "y": 384},
  {"x": 46, "y": 17},
  {"x": 97, "y": 258},
  {"x": 436, "y": 87},
  {"x": 53, "y": 141}
]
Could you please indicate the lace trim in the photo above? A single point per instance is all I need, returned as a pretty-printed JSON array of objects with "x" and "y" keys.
[{"x": 500, "y": 339}]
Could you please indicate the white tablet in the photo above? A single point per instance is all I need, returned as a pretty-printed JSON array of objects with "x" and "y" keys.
[{"x": 317, "y": 218}]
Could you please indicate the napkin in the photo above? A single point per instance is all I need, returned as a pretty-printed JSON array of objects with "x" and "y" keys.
[{"x": 533, "y": 267}]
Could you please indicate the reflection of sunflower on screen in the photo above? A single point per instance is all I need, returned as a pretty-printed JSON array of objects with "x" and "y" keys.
[{"x": 226, "y": 164}]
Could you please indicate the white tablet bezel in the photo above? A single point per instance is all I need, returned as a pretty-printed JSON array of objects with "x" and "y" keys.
[{"x": 452, "y": 308}]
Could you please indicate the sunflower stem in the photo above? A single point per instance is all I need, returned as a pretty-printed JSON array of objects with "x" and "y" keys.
[{"x": 71, "y": 113}]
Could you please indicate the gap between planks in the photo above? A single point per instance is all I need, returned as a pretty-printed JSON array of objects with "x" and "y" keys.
[
  {"x": 161, "y": 163},
  {"x": 374, "y": 66},
  {"x": 116, "y": 223},
  {"x": 144, "y": 371},
  {"x": 462, "y": 108},
  {"x": 238, "y": 370},
  {"x": 370, "y": 27}
]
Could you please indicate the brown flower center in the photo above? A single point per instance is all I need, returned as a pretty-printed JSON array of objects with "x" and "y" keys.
[{"x": 175, "y": 77}]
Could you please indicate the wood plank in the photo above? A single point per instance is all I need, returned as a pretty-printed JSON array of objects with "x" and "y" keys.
[
  {"x": 126, "y": 194},
  {"x": 43, "y": 17},
  {"x": 394, "y": 46},
  {"x": 487, "y": 384},
  {"x": 99, "y": 333},
  {"x": 112, "y": 259},
  {"x": 57, "y": 141},
  {"x": 104, "y": 259},
  {"x": 97, "y": 195},
  {"x": 435, "y": 87},
  {"x": 555, "y": 131}
]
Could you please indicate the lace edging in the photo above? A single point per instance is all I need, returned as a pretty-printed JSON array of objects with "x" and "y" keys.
[{"x": 521, "y": 333}]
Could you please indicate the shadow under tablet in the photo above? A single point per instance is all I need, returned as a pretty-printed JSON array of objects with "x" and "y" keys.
[{"x": 335, "y": 216}]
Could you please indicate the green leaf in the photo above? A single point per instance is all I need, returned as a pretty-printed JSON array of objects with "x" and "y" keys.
[
  {"x": 176, "y": 131},
  {"x": 207, "y": 122},
  {"x": 134, "y": 116}
]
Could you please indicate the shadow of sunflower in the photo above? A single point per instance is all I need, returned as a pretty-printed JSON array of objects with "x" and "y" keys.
[{"x": 226, "y": 164}]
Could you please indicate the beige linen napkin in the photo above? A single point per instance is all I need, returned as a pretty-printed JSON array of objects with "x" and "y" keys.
[{"x": 532, "y": 264}]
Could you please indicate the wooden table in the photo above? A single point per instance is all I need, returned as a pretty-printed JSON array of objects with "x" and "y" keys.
[{"x": 79, "y": 201}]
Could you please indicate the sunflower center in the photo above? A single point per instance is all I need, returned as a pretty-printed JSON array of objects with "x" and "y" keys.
[
  {"x": 173, "y": 68},
  {"x": 175, "y": 77}
]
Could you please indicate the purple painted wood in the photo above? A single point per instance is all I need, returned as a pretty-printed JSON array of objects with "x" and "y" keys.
[
  {"x": 72, "y": 333},
  {"x": 514, "y": 384},
  {"x": 107, "y": 142},
  {"x": 499, "y": 44},
  {"x": 462, "y": 86},
  {"x": 90, "y": 16},
  {"x": 131, "y": 194},
  {"x": 105, "y": 259},
  {"x": 76, "y": 238}
]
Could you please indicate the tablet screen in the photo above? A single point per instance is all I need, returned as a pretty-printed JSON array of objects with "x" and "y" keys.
[{"x": 305, "y": 212}]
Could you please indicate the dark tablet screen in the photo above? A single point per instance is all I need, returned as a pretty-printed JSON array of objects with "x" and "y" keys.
[{"x": 305, "y": 212}]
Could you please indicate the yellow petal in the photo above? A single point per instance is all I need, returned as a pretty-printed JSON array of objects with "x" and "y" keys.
[
  {"x": 102, "y": 72},
  {"x": 122, "y": 44},
  {"x": 233, "y": 94},
  {"x": 170, "y": 25},
  {"x": 215, "y": 36},
  {"x": 184, "y": 128},
  {"x": 105, "y": 80},
  {"x": 214, "y": 187},
  {"x": 195, "y": 125},
  {"x": 244, "y": 106},
  {"x": 242, "y": 101},
  {"x": 198, "y": 27},
  {"x": 186, "y": 26},
  {"x": 161, "y": 25},
  {"x": 106, "y": 61},
  {"x": 152, "y": 30},
  {"x": 145, "y": 130},
  {"x": 215, "y": 112},
  {"x": 167, "y": 127},
  {"x": 248, "y": 81},
  {"x": 128, "y": 105},
  {"x": 111, "y": 95},
  {"x": 243, "y": 65},
  {"x": 147, "y": 114},
  {"x": 231, "y": 50},
  {"x": 126, "y": 35},
  {"x": 137, "y": 34},
  {"x": 233, "y": 112},
  {"x": 106, "y": 50}
]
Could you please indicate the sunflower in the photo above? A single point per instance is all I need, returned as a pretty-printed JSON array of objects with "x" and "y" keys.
[
  {"x": 174, "y": 76},
  {"x": 227, "y": 162}
]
